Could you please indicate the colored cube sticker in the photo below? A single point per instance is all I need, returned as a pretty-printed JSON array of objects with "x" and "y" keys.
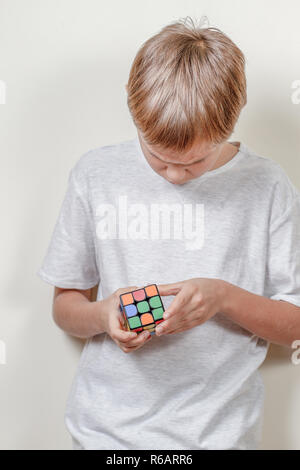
[{"x": 142, "y": 309}]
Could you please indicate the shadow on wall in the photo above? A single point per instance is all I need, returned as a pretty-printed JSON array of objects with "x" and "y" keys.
[{"x": 280, "y": 380}]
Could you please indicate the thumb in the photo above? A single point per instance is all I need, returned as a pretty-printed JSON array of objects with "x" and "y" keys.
[
  {"x": 117, "y": 326},
  {"x": 124, "y": 290}
]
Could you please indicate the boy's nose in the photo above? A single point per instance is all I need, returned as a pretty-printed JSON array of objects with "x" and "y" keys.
[{"x": 175, "y": 175}]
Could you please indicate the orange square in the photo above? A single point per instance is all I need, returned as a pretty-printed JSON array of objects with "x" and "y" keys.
[
  {"x": 146, "y": 319},
  {"x": 151, "y": 290},
  {"x": 127, "y": 299}
]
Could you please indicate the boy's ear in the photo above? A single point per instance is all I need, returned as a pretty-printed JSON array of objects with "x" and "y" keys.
[{"x": 126, "y": 86}]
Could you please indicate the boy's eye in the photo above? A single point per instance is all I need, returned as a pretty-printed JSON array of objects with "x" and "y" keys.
[{"x": 188, "y": 164}]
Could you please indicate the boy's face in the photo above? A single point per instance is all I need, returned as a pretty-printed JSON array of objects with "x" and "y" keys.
[{"x": 178, "y": 169}]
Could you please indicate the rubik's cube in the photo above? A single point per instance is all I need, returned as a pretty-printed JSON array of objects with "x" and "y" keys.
[{"x": 142, "y": 309}]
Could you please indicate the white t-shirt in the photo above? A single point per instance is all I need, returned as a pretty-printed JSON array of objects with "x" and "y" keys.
[{"x": 122, "y": 224}]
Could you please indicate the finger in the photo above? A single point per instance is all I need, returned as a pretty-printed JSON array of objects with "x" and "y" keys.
[
  {"x": 119, "y": 333},
  {"x": 181, "y": 313},
  {"x": 127, "y": 348},
  {"x": 169, "y": 325},
  {"x": 139, "y": 340},
  {"x": 179, "y": 305},
  {"x": 180, "y": 329},
  {"x": 187, "y": 326},
  {"x": 142, "y": 343},
  {"x": 175, "y": 321},
  {"x": 170, "y": 289}
]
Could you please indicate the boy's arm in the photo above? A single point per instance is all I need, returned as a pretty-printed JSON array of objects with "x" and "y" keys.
[
  {"x": 198, "y": 299},
  {"x": 77, "y": 313},
  {"x": 274, "y": 320}
]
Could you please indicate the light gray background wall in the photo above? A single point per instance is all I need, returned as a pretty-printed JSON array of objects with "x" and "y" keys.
[{"x": 65, "y": 64}]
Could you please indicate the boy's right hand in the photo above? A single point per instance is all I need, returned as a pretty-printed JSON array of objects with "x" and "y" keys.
[{"x": 113, "y": 323}]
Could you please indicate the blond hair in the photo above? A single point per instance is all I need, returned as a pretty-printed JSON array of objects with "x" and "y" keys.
[{"x": 186, "y": 82}]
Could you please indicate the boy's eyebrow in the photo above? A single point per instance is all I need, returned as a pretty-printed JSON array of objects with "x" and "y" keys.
[{"x": 186, "y": 164}]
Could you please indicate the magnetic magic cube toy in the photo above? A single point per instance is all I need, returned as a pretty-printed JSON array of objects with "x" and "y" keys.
[{"x": 142, "y": 309}]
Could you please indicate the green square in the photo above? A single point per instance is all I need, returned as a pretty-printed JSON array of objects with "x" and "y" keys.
[
  {"x": 157, "y": 313},
  {"x": 155, "y": 301},
  {"x": 143, "y": 306},
  {"x": 134, "y": 322}
]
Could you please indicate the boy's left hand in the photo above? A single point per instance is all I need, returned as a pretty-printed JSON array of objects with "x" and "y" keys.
[{"x": 196, "y": 300}]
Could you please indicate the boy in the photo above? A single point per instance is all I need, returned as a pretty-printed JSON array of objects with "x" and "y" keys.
[{"x": 228, "y": 266}]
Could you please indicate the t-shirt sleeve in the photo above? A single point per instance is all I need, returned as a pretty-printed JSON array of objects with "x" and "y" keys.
[
  {"x": 283, "y": 264},
  {"x": 70, "y": 261}
]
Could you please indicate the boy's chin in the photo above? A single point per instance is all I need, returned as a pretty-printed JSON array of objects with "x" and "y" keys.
[{"x": 177, "y": 182}]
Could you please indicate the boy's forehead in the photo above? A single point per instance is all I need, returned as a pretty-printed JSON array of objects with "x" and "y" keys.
[{"x": 200, "y": 149}]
